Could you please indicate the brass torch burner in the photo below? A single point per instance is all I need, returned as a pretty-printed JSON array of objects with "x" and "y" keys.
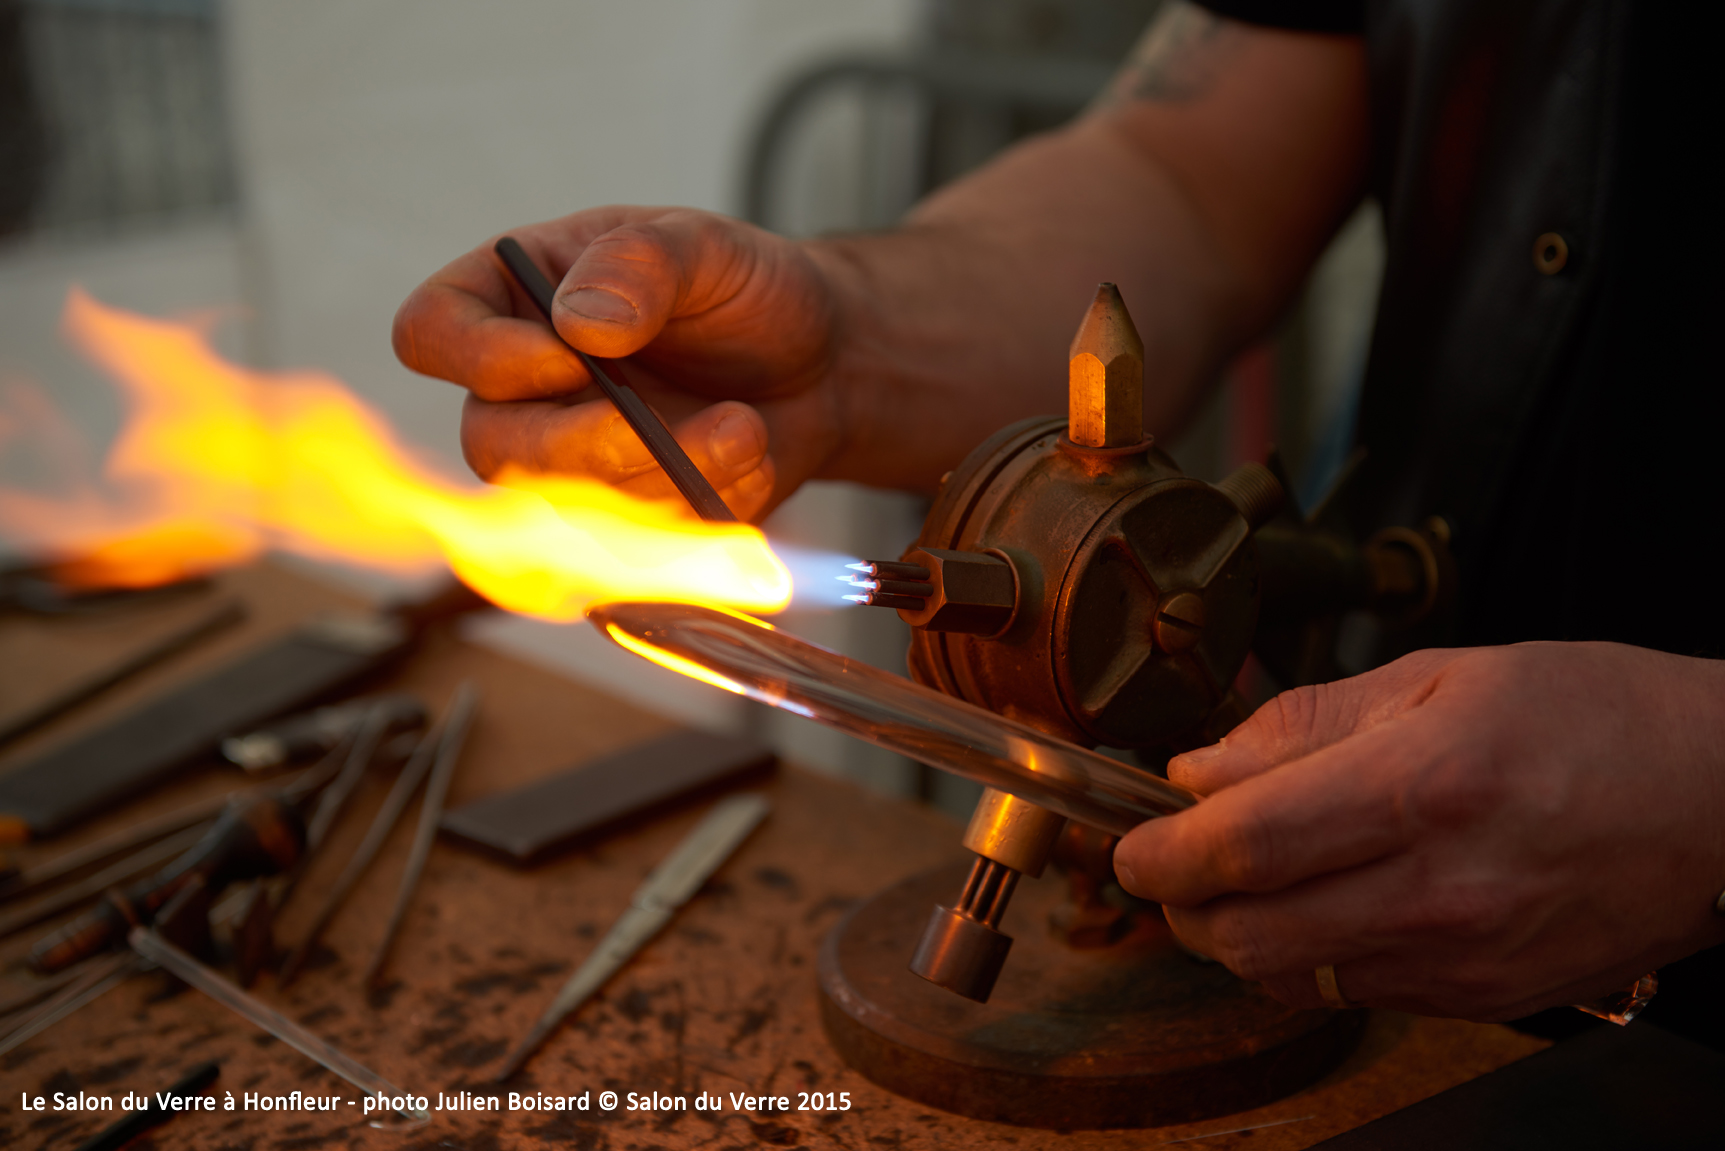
[
  {"x": 963, "y": 949},
  {"x": 1071, "y": 588}
]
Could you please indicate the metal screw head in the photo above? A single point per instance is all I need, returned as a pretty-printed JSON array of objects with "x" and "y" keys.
[{"x": 1180, "y": 622}]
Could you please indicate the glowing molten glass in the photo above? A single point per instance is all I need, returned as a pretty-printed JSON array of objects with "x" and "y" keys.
[{"x": 218, "y": 463}]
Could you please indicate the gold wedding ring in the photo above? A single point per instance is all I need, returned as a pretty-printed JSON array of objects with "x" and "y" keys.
[{"x": 1330, "y": 990}]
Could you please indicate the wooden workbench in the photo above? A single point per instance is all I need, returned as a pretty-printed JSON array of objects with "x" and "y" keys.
[{"x": 723, "y": 1002}]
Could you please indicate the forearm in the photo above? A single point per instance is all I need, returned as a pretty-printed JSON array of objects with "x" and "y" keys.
[
  {"x": 1203, "y": 184},
  {"x": 959, "y": 323}
]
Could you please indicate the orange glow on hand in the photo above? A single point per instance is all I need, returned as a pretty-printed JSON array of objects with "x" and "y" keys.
[{"x": 218, "y": 463}]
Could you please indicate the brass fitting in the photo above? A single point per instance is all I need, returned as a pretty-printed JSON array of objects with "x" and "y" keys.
[
  {"x": 1256, "y": 491},
  {"x": 1105, "y": 376},
  {"x": 1410, "y": 571},
  {"x": 1013, "y": 831},
  {"x": 974, "y": 592},
  {"x": 962, "y": 948}
]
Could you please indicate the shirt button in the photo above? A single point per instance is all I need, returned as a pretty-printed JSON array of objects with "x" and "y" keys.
[{"x": 1550, "y": 253}]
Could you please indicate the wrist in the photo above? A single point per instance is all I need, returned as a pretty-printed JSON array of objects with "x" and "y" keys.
[
  {"x": 1691, "y": 696},
  {"x": 855, "y": 350},
  {"x": 896, "y": 334}
]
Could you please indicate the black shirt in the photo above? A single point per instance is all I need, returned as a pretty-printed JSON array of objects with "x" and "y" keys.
[{"x": 1565, "y": 422}]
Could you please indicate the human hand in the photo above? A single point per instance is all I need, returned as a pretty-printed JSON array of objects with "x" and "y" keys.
[
  {"x": 1479, "y": 833},
  {"x": 726, "y": 330}
]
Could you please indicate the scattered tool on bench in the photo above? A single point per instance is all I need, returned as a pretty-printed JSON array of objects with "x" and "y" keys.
[
  {"x": 152, "y": 946},
  {"x": 450, "y": 741},
  {"x": 139, "y": 835},
  {"x": 257, "y": 905},
  {"x": 258, "y": 834},
  {"x": 311, "y": 734},
  {"x": 149, "y": 947},
  {"x": 400, "y": 795},
  {"x": 95, "y": 770},
  {"x": 212, "y": 623},
  {"x": 672, "y": 883},
  {"x": 143, "y": 862},
  {"x": 103, "y": 974}
]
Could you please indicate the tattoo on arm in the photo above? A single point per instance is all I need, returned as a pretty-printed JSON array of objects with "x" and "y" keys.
[{"x": 1178, "y": 59}]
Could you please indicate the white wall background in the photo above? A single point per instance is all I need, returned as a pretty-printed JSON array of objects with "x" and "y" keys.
[{"x": 378, "y": 139}]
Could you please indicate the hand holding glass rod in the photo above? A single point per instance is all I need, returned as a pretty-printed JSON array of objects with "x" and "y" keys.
[
  {"x": 750, "y": 657},
  {"x": 653, "y": 432}
]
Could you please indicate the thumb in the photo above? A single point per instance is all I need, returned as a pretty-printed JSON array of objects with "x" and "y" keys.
[
  {"x": 629, "y": 282},
  {"x": 1303, "y": 720}
]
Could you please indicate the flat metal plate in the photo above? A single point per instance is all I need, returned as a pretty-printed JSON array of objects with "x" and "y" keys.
[{"x": 102, "y": 766}]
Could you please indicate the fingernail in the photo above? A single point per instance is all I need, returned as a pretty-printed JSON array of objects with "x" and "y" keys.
[
  {"x": 624, "y": 447},
  {"x": 1124, "y": 873},
  {"x": 552, "y": 374},
  {"x": 599, "y": 304},
  {"x": 734, "y": 441},
  {"x": 1201, "y": 754}
]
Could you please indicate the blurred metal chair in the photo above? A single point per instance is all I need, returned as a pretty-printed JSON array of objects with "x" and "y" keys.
[
  {"x": 1020, "y": 94},
  {"x": 112, "y": 114}
]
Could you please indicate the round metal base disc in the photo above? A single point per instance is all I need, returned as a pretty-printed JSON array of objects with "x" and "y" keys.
[{"x": 1137, "y": 1034}]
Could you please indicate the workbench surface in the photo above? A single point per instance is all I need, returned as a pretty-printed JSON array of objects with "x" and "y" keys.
[{"x": 723, "y": 1002}]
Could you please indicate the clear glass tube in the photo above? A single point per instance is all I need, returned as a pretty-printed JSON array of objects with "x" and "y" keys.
[
  {"x": 391, "y": 1098},
  {"x": 752, "y": 658}
]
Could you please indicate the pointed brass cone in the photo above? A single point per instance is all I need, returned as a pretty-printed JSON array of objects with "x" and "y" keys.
[{"x": 1105, "y": 376}]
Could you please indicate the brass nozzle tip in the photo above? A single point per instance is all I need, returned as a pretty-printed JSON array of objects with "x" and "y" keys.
[
  {"x": 1107, "y": 330},
  {"x": 1105, "y": 375}
]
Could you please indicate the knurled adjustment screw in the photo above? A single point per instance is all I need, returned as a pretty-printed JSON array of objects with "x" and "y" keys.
[{"x": 1180, "y": 622}]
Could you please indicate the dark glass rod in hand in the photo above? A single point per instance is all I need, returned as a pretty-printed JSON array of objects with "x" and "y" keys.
[{"x": 647, "y": 425}]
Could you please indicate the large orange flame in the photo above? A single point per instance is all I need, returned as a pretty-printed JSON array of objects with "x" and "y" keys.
[{"x": 217, "y": 463}]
